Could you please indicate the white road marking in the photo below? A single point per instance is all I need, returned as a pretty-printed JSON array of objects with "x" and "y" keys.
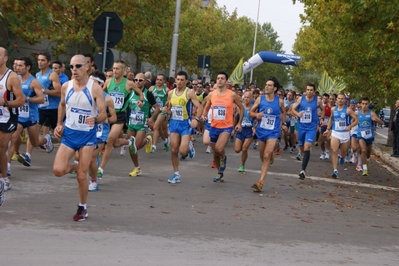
[
  {"x": 379, "y": 134},
  {"x": 330, "y": 180}
]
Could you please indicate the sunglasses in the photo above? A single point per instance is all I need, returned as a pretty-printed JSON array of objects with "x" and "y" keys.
[
  {"x": 76, "y": 66},
  {"x": 139, "y": 80}
]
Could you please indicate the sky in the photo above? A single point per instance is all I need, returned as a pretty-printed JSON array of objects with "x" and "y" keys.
[{"x": 282, "y": 14}]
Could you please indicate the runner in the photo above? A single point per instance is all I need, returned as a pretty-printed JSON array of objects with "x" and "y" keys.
[
  {"x": 306, "y": 109},
  {"x": 138, "y": 118},
  {"x": 270, "y": 112},
  {"x": 160, "y": 127},
  {"x": 29, "y": 113},
  {"x": 118, "y": 88},
  {"x": 365, "y": 132},
  {"x": 11, "y": 98},
  {"x": 244, "y": 138},
  {"x": 102, "y": 131},
  {"x": 338, "y": 129},
  {"x": 222, "y": 101},
  {"x": 81, "y": 101},
  {"x": 179, "y": 101}
]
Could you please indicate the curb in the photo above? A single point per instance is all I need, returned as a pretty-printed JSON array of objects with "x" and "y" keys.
[{"x": 392, "y": 162}]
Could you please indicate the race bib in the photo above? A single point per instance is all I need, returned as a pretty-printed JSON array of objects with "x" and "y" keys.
[
  {"x": 293, "y": 120},
  {"x": 160, "y": 104},
  {"x": 77, "y": 119},
  {"x": 219, "y": 112},
  {"x": 46, "y": 101},
  {"x": 268, "y": 122},
  {"x": 99, "y": 132},
  {"x": 136, "y": 117},
  {"x": 366, "y": 133},
  {"x": 118, "y": 98},
  {"x": 23, "y": 111},
  {"x": 177, "y": 113},
  {"x": 326, "y": 120},
  {"x": 306, "y": 117},
  {"x": 340, "y": 124}
]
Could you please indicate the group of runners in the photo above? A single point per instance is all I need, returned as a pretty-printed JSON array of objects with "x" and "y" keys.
[{"x": 88, "y": 113}]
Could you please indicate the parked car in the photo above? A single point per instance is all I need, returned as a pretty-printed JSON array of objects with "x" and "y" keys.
[{"x": 386, "y": 116}]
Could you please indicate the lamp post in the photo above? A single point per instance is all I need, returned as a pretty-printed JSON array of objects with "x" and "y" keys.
[
  {"x": 254, "y": 47},
  {"x": 173, "y": 56}
]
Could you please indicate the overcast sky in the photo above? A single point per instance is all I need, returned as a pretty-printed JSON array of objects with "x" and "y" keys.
[{"x": 282, "y": 14}]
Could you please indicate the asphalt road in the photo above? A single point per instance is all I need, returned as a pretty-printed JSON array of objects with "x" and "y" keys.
[{"x": 146, "y": 221}]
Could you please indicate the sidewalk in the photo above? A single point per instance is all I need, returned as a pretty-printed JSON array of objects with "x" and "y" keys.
[{"x": 383, "y": 152}]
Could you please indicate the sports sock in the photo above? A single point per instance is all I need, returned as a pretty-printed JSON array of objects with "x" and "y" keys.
[{"x": 305, "y": 160}]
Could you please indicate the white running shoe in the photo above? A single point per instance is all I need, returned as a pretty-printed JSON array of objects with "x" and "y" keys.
[
  {"x": 322, "y": 156},
  {"x": 93, "y": 186},
  {"x": 327, "y": 155},
  {"x": 209, "y": 149},
  {"x": 49, "y": 143},
  {"x": 123, "y": 150}
]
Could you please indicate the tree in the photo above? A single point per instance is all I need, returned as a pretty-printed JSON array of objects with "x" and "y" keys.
[{"x": 355, "y": 41}]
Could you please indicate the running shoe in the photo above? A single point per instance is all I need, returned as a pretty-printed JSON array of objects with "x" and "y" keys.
[
  {"x": 219, "y": 178},
  {"x": 213, "y": 165},
  {"x": 241, "y": 168},
  {"x": 327, "y": 155},
  {"x": 358, "y": 168},
  {"x": 166, "y": 146},
  {"x": 174, "y": 179},
  {"x": 191, "y": 150},
  {"x": 2, "y": 183},
  {"x": 335, "y": 174},
  {"x": 132, "y": 146},
  {"x": 49, "y": 144},
  {"x": 81, "y": 214},
  {"x": 223, "y": 164},
  {"x": 148, "y": 146},
  {"x": 278, "y": 152},
  {"x": 100, "y": 173},
  {"x": 123, "y": 150},
  {"x": 24, "y": 159},
  {"x": 183, "y": 158},
  {"x": 136, "y": 172},
  {"x": 302, "y": 175},
  {"x": 153, "y": 149},
  {"x": 365, "y": 172},
  {"x": 286, "y": 147},
  {"x": 15, "y": 156},
  {"x": 341, "y": 160},
  {"x": 93, "y": 186},
  {"x": 293, "y": 149},
  {"x": 209, "y": 149},
  {"x": 322, "y": 156},
  {"x": 258, "y": 186},
  {"x": 7, "y": 184},
  {"x": 299, "y": 156}
]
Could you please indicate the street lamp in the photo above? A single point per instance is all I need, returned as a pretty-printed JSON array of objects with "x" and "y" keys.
[{"x": 173, "y": 55}]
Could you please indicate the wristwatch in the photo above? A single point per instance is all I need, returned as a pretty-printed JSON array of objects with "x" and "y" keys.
[{"x": 5, "y": 104}]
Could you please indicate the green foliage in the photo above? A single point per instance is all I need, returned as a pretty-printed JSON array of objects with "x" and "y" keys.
[
  {"x": 148, "y": 30},
  {"x": 355, "y": 41}
]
